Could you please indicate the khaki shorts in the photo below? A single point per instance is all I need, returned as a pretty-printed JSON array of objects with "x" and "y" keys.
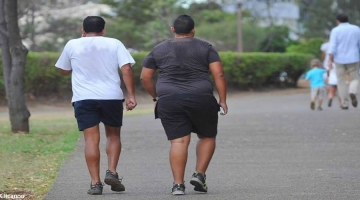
[{"x": 318, "y": 93}]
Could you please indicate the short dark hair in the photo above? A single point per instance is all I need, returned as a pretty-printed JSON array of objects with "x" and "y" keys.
[
  {"x": 93, "y": 24},
  {"x": 184, "y": 24},
  {"x": 342, "y": 18}
]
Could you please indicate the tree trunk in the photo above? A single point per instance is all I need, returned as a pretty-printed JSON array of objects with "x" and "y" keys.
[{"x": 14, "y": 58}]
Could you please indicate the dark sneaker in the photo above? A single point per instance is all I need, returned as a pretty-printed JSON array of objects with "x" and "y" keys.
[
  {"x": 344, "y": 107},
  {"x": 330, "y": 103},
  {"x": 312, "y": 105},
  {"x": 353, "y": 100},
  {"x": 178, "y": 189},
  {"x": 198, "y": 180},
  {"x": 114, "y": 181},
  {"x": 96, "y": 189}
]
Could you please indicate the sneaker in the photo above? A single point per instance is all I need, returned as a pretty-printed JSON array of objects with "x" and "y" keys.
[
  {"x": 96, "y": 189},
  {"x": 312, "y": 105},
  {"x": 330, "y": 103},
  {"x": 344, "y": 107},
  {"x": 178, "y": 189},
  {"x": 319, "y": 108},
  {"x": 114, "y": 181},
  {"x": 198, "y": 180},
  {"x": 353, "y": 100}
]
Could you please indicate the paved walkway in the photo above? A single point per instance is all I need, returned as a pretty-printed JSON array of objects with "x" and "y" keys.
[{"x": 269, "y": 146}]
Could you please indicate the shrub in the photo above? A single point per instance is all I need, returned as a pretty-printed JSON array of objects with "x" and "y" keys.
[
  {"x": 308, "y": 47},
  {"x": 242, "y": 70}
]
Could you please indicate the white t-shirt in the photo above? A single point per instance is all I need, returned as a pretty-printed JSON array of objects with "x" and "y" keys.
[
  {"x": 324, "y": 48},
  {"x": 95, "y": 63},
  {"x": 332, "y": 80}
]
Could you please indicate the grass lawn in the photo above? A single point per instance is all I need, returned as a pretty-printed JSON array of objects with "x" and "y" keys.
[{"x": 29, "y": 162}]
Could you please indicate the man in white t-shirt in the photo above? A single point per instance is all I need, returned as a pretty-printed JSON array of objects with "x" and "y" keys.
[{"x": 93, "y": 62}]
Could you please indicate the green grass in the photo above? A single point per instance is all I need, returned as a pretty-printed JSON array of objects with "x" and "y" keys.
[{"x": 29, "y": 162}]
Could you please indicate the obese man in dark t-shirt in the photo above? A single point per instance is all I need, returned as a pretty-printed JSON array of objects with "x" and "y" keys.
[{"x": 184, "y": 98}]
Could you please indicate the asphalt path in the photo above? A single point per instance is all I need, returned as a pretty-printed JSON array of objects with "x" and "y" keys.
[{"x": 269, "y": 146}]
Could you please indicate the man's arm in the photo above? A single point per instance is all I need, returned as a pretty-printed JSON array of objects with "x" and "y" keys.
[
  {"x": 128, "y": 78},
  {"x": 65, "y": 72},
  {"x": 146, "y": 78},
  {"x": 217, "y": 72},
  {"x": 332, "y": 49}
]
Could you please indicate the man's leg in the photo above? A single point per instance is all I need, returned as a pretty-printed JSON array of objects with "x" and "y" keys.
[
  {"x": 113, "y": 150},
  {"x": 92, "y": 152},
  {"x": 342, "y": 86},
  {"x": 178, "y": 157},
  {"x": 113, "y": 146},
  {"x": 204, "y": 151},
  {"x": 354, "y": 81}
]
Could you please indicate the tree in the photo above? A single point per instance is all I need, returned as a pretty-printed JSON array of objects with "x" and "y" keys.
[
  {"x": 277, "y": 39},
  {"x": 13, "y": 54},
  {"x": 318, "y": 16},
  {"x": 311, "y": 46},
  {"x": 151, "y": 20}
]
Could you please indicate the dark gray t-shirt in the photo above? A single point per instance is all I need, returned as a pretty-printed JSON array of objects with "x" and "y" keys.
[{"x": 183, "y": 65}]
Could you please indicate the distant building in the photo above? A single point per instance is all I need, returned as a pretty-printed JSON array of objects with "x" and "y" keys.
[{"x": 276, "y": 12}]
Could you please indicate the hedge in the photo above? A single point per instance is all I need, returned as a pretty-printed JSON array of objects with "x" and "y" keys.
[{"x": 242, "y": 70}]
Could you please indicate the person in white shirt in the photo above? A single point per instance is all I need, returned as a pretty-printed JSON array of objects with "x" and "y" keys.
[
  {"x": 93, "y": 62},
  {"x": 331, "y": 79},
  {"x": 344, "y": 51}
]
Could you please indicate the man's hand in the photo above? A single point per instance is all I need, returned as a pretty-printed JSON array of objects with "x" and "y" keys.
[
  {"x": 330, "y": 65},
  {"x": 224, "y": 106},
  {"x": 65, "y": 72},
  {"x": 130, "y": 103}
]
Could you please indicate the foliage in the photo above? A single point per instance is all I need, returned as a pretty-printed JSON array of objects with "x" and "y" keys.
[
  {"x": 227, "y": 40},
  {"x": 263, "y": 69},
  {"x": 43, "y": 31},
  {"x": 143, "y": 24},
  {"x": 126, "y": 31},
  {"x": 319, "y": 16},
  {"x": 309, "y": 47},
  {"x": 206, "y": 13},
  {"x": 277, "y": 39},
  {"x": 41, "y": 76},
  {"x": 31, "y": 161},
  {"x": 246, "y": 69},
  {"x": 150, "y": 21}
]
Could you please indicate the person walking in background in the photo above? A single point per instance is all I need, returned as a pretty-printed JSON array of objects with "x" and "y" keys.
[
  {"x": 184, "y": 98},
  {"x": 331, "y": 79},
  {"x": 317, "y": 83},
  {"x": 344, "y": 51},
  {"x": 93, "y": 62}
]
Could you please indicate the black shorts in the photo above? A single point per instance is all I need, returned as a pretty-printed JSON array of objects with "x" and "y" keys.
[
  {"x": 89, "y": 113},
  {"x": 182, "y": 114}
]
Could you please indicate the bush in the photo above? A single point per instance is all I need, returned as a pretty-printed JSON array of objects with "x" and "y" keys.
[
  {"x": 41, "y": 76},
  {"x": 263, "y": 69},
  {"x": 309, "y": 47},
  {"x": 242, "y": 70}
]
